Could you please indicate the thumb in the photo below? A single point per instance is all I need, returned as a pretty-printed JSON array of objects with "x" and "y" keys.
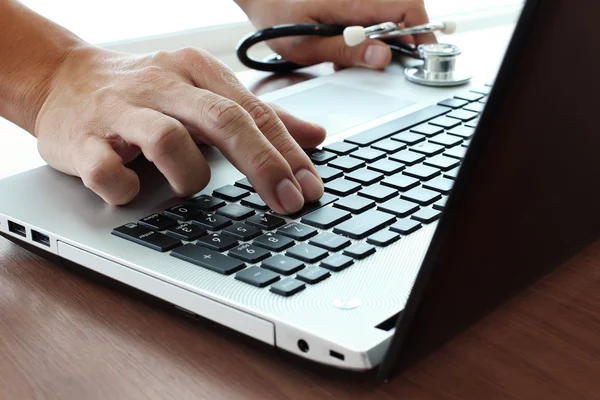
[{"x": 370, "y": 53}]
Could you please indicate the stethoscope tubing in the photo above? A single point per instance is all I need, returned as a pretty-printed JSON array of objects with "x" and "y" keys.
[{"x": 278, "y": 64}]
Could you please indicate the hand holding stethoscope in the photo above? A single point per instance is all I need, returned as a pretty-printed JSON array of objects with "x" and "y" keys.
[{"x": 439, "y": 59}]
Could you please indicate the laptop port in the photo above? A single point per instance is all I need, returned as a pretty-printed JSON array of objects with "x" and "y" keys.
[
  {"x": 303, "y": 346},
  {"x": 17, "y": 229},
  {"x": 337, "y": 355},
  {"x": 40, "y": 238}
]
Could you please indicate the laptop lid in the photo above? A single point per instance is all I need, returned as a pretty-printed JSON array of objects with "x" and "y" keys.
[{"x": 528, "y": 194}]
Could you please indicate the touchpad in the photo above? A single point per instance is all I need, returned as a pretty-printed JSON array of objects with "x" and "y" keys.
[{"x": 338, "y": 108}]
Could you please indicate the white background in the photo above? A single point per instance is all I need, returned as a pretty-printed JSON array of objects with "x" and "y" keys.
[{"x": 102, "y": 21}]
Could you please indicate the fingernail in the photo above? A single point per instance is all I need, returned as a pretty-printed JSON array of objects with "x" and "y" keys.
[
  {"x": 289, "y": 196},
  {"x": 376, "y": 56},
  {"x": 312, "y": 187}
]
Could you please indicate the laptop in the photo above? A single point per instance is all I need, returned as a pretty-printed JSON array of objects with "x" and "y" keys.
[{"x": 439, "y": 205}]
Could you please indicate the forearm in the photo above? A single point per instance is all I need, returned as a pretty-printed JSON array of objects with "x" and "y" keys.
[{"x": 31, "y": 49}]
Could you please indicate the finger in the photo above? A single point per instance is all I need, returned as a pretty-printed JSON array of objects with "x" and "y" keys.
[
  {"x": 207, "y": 72},
  {"x": 101, "y": 169},
  {"x": 166, "y": 143},
  {"x": 370, "y": 53},
  {"x": 231, "y": 129},
  {"x": 306, "y": 134},
  {"x": 418, "y": 16}
]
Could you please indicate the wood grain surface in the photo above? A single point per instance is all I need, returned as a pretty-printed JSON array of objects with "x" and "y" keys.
[{"x": 68, "y": 334}]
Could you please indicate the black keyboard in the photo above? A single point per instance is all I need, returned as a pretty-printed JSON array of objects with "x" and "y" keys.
[{"x": 380, "y": 185}]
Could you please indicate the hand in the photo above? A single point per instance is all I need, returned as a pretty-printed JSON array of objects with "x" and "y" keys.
[
  {"x": 309, "y": 50},
  {"x": 104, "y": 108}
]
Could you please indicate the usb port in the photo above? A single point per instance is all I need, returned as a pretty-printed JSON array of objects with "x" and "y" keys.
[
  {"x": 40, "y": 238},
  {"x": 16, "y": 228}
]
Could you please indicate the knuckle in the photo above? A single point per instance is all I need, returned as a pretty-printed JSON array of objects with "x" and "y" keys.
[
  {"x": 263, "y": 115},
  {"x": 225, "y": 115},
  {"x": 192, "y": 57},
  {"x": 264, "y": 162},
  {"x": 168, "y": 136}
]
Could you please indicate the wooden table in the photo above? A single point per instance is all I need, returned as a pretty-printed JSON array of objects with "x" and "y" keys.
[{"x": 67, "y": 334}]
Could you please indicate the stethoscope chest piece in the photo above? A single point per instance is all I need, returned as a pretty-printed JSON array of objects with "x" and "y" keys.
[{"x": 439, "y": 66}]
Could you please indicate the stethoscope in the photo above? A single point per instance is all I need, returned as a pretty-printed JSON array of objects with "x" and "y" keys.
[{"x": 439, "y": 67}]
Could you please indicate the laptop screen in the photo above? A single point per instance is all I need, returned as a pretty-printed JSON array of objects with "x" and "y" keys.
[{"x": 527, "y": 196}]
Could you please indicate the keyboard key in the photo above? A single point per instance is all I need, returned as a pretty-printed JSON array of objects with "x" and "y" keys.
[
  {"x": 421, "y": 196},
  {"x": 383, "y": 131},
  {"x": 297, "y": 231},
  {"x": 445, "y": 122},
  {"x": 326, "y": 217},
  {"x": 287, "y": 287},
  {"x": 462, "y": 115},
  {"x": 283, "y": 265},
  {"x": 355, "y": 204},
  {"x": 245, "y": 184},
  {"x": 313, "y": 274},
  {"x": 427, "y": 130},
  {"x": 482, "y": 90},
  {"x": 387, "y": 167},
  {"x": 342, "y": 187},
  {"x": 422, "y": 172},
  {"x": 456, "y": 152},
  {"x": 360, "y": 250},
  {"x": 401, "y": 182},
  {"x": 208, "y": 259},
  {"x": 383, "y": 238},
  {"x": 440, "y": 204},
  {"x": 341, "y": 148},
  {"x": 313, "y": 205},
  {"x": 473, "y": 123},
  {"x": 243, "y": 232},
  {"x": 452, "y": 173},
  {"x": 157, "y": 222},
  {"x": 255, "y": 201},
  {"x": 475, "y": 107},
  {"x": 446, "y": 140},
  {"x": 186, "y": 232},
  {"x": 429, "y": 149},
  {"x": 405, "y": 226},
  {"x": 442, "y": 162},
  {"x": 466, "y": 143},
  {"x": 364, "y": 176},
  {"x": 257, "y": 276},
  {"x": 307, "y": 252},
  {"x": 378, "y": 193},
  {"x": 469, "y": 96},
  {"x": 439, "y": 184},
  {"x": 408, "y": 137},
  {"x": 407, "y": 157},
  {"x": 273, "y": 242},
  {"x": 182, "y": 212},
  {"x": 426, "y": 215},
  {"x": 235, "y": 211},
  {"x": 347, "y": 163},
  {"x": 217, "y": 242},
  {"x": 267, "y": 222},
  {"x": 453, "y": 103},
  {"x": 462, "y": 131},
  {"x": 389, "y": 146},
  {"x": 337, "y": 262},
  {"x": 398, "y": 207},
  {"x": 321, "y": 157},
  {"x": 249, "y": 253},
  {"x": 364, "y": 224},
  {"x": 330, "y": 241},
  {"x": 368, "y": 155},
  {"x": 328, "y": 174},
  {"x": 211, "y": 222},
  {"x": 230, "y": 193},
  {"x": 146, "y": 237},
  {"x": 207, "y": 203}
]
